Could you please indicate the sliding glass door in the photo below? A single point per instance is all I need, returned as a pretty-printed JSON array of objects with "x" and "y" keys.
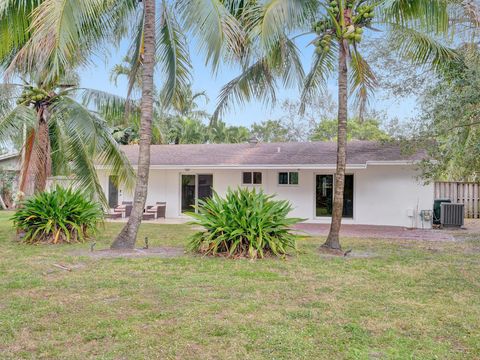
[
  {"x": 324, "y": 196},
  {"x": 188, "y": 192},
  {"x": 348, "y": 197},
  {"x": 194, "y": 187}
]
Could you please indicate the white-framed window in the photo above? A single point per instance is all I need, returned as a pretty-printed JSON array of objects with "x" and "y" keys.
[
  {"x": 251, "y": 178},
  {"x": 288, "y": 178}
]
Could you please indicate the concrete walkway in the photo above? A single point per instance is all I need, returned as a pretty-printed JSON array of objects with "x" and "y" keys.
[{"x": 380, "y": 232}]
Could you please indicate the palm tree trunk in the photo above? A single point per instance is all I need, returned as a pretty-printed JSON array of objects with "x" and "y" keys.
[
  {"x": 43, "y": 160},
  {"x": 333, "y": 239},
  {"x": 26, "y": 183},
  {"x": 127, "y": 237},
  {"x": 36, "y": 162}
]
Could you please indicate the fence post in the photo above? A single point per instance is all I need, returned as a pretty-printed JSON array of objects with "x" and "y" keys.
[{"x": 475, "y": 201}]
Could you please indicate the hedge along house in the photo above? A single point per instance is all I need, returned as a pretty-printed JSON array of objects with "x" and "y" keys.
[{"x": 381, "y": 186}]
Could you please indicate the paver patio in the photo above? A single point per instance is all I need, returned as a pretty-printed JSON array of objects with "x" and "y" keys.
[{"x": 381, "y": 232}]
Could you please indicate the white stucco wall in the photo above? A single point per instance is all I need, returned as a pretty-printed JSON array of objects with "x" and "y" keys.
[{"x": 383, "y": 194}]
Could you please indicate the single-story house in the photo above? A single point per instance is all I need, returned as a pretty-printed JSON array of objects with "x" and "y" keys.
[{"x": 381, "y": 185}]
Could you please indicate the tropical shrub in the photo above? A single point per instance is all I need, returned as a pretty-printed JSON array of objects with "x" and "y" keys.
[
  {"x": 61, "y": 215},
  {"x": 245, "y": 223}
]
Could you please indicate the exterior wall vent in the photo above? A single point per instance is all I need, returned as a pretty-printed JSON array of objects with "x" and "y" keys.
[{"x": 452, "y": 214}]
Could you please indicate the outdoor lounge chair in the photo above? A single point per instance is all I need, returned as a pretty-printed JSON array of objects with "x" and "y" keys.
[{"x": 158, "y": 210}]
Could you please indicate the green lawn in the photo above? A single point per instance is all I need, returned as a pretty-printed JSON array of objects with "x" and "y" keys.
[{"x": 409, "y": 300}]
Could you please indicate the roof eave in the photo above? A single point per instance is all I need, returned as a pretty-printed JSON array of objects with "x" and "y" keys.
[{"x": 271, "y": 166}]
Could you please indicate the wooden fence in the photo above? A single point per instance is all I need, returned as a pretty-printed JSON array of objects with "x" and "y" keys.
[{"x": 462, "y": 193}]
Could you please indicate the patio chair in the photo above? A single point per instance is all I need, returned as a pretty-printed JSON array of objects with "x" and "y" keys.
[
  {"x": 125, "y": 209},
  {"x": 158, "y": 210},
  {"x": 113, "y": 215},
  {"x": 148, "y": 216}
]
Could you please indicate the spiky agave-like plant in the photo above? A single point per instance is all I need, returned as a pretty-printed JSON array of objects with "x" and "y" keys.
[
  {"x": 245, "y": 223},
  {"x": 58, "y": 216}
]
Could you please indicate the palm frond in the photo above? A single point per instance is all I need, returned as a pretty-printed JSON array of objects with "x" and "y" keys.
[
  {"x": 275, "y": 17},
  {"x": 255, "y": 82},
  {"x": 258, "y": 81},
  {"x": 200, "y": 94},
  {"x": 13, "y": 122},
  {"x": 15, "y": 20},
  {"x": 220, "y": 32},
  {"x": 315, "y": 82},
  {"x": 136, "y": 49},
  {"x": 362, "y": 81},
  {"x": 8, "y": 94},
  {"x": 173, "y": 55},
  {"x": 112, "y": 107},
  {"x": 419, "y": 47},
  {"x": 88, "y": 142},
  {"x": 472, "y": 11},
  {"x": 285, "y": 59},
  {"x": 63, "y": 35},
  {"x": 430, "y": 15}
]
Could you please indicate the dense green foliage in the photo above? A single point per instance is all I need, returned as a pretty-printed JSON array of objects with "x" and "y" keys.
[
  {"x": 195, "y": 131},
  {"x": 356, "y": 130},
  {"x": 58, "y": 216},
  {"x": 317, "y": 123},
  {"x": 271, "y": 131},
  {"x": 244, "y": 223},
  {"x": 450, "y": 124}
]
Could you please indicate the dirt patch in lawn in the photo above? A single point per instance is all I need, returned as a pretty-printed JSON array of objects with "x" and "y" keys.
[{"x": 163, "y": 252}]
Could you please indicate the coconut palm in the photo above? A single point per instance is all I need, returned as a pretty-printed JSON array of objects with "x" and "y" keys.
[
  {"x": 339, "y": 26},
  {"x": 59, "y": 136}
]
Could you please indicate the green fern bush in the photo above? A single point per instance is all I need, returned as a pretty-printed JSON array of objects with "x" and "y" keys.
[
  {"x": 59, "y": 216},
  {"x": 246, "y": 223}
]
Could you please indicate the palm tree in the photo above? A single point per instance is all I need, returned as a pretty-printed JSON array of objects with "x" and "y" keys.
[
  {"x": 338, "y": 30},
  {"x": 186, "y": 105},
  {"x": 128, "y": 235},
  {"x": 220, "y": 132},
  {"x": 64, "y": 35},
  {"x": 62, "y": 137}
]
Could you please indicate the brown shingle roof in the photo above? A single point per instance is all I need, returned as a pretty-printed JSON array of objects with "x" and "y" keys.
[{"x": 289, "y": 153}]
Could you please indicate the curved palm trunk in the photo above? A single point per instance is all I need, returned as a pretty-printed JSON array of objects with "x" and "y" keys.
[
  {"x": 127, "y": 237},
  {"x": 333, "y": 239}
]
